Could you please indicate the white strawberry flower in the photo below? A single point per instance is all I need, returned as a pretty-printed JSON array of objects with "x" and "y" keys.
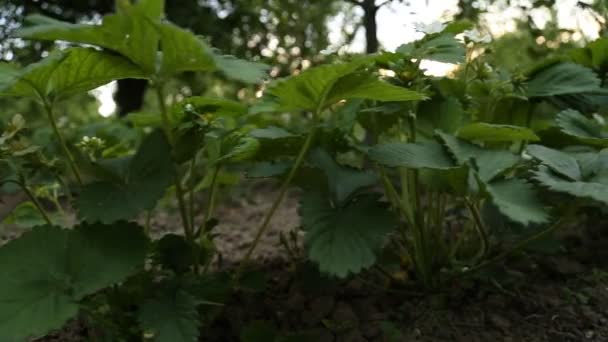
[
  {"x": 434, "y": 27},
  {"x": 475, "y": 36},
  {"x": 600, "y": 119}
]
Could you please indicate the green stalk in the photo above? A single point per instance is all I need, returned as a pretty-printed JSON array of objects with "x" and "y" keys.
[
  {"x": 179, "y": 192},
  {"x": 420, "y": 242},
  {"x": 32, "y": 198},
  {"x": 191, "y": 191},
  {"x": 479, "y": 228},
  {"x": 282, "y": 191},
  {"x": 210, "y": 203},
  {"x": 48, "y": 108},
  {"x": 148, "y": 219},
  {"x": 524, "y": 143},
  {"x": 520, "y": 245}
]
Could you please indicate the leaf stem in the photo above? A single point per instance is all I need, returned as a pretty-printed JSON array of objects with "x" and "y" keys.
[
  {"x": 479, "y": 227},
  {"x": 282, "y": 191},
  {"x": 519, "y": 246},
  {"x": 31, "y": 196},
  {"x": 191, "y": 191},
  {"x": 179, "y": 191},
  {"x": 48, "y": 108},
  {"x": 210, "y": 202}
]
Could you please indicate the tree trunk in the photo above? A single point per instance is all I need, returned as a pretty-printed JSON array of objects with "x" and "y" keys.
[
  {"x": 129, "y": 95},
  {"x": 371, "y": 26}
]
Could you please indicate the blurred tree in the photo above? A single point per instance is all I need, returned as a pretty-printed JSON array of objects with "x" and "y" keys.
[{"x": 370, "y": 11}]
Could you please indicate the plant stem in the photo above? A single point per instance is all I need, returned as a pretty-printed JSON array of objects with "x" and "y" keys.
[
  {"x": 179, "y": 192},
  {"x": 191, "y": 191},
  {"x": 282, "y": 191},
  {"x": 480, "y": 228},
  {"x": 524, "y": 143},
  {"x": 210, "y": 202},
  {"x": 32, "y": 198},
  {"x": 519, "y": 246},
  {"x": 160, "y": 96},
  {"x": 49, "y": 112},
  {"x": 148, "y": 219}
]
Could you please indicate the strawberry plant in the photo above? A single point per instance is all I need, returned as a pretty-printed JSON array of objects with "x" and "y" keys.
[{"x": 382, "y": 151}]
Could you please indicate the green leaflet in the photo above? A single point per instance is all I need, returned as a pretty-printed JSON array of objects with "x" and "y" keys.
[
  {"x": 446, "y": 114},
  {"x": 562, "y": 79},
  {"x": 182, "y": 51},
  {"x": 343, "y": 181},
  {"x": 259, "y": 331},
  {"x": 487, "y": 132},
  {"x": 67, "y": 72},
  {"x": 344, "y": 240},
  {"x": 558, "y": 161},
  {"x": 276, "y": 142},
  {"x": 136, "y": 32},
  {"x": 268, "y": 169},
  {"x": 517, "y": 200},
  {"x": 144, "y": 182},
  {"x": 239, "y": 148},
  {"x": 307, "y": 90},
  {"x": 441, "y": 48},
  {"x": 271, "y": 132},
  {"x": 578, "y": 126},
  {"x": 325, "y": 85},
  {"x": 130, "y": 33},
  {"x": 48, "y": 270},
  {"x": 171, "y": 316},
  {"x": 489, "y": 162},
  {"x": 366, "y": 86},
  {"x": 429, "y": 155},
  {"x": 241, "y": 70},
  {"x": 591, "y": 190}
]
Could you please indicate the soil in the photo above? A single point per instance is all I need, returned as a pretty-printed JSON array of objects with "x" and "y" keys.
[{"x": 561, "y": 297}]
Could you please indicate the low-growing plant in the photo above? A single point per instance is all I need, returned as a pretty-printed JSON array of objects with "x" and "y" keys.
[{"x": 400, "y": 171}]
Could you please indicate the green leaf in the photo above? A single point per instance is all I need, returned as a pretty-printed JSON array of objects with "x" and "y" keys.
[
  {"x": 131, "y": 34},
  {"x": 171, "y": 317},
  {"x": 446, "y": 114},
  {"x": 173, "y": 252},
  {"x": 268, "y": 169},
  {"x": 271, "y": 132},
  {"x": 240, "y": 148},
  {"x": 487, "y": 132},
  {"x": 48, "y": 270},
  {"x": 488, "y": 162},
  {"x": 241, "y": 70},
  {"x": 70, "y": 71},
  {"x": 148, "y": 175},
  {"x": 25, "y": 215},
  {"x": 259, "y": 331},
  {"x": 441, "y": 48},
  {"x": 368, "y": 87},
  {"x": 325, "y": 85},
  {"x": 344, "y": 240},
  {"x": 562, "y": 79},
  {"x": 591, "y": 190},
  {"x": 576, "y": 125},
  {"x": 307, "y": 91},
  {"x": 558, "y": 161},
  {"x": 459, "y": 26},
  {"x": 343, "y": 181},
  {"x": 183, "y": 51},
  {"x": 430, "y": 155},
  {"x": 517, "y": 200},
  {"x": 276, "y": 142}
]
